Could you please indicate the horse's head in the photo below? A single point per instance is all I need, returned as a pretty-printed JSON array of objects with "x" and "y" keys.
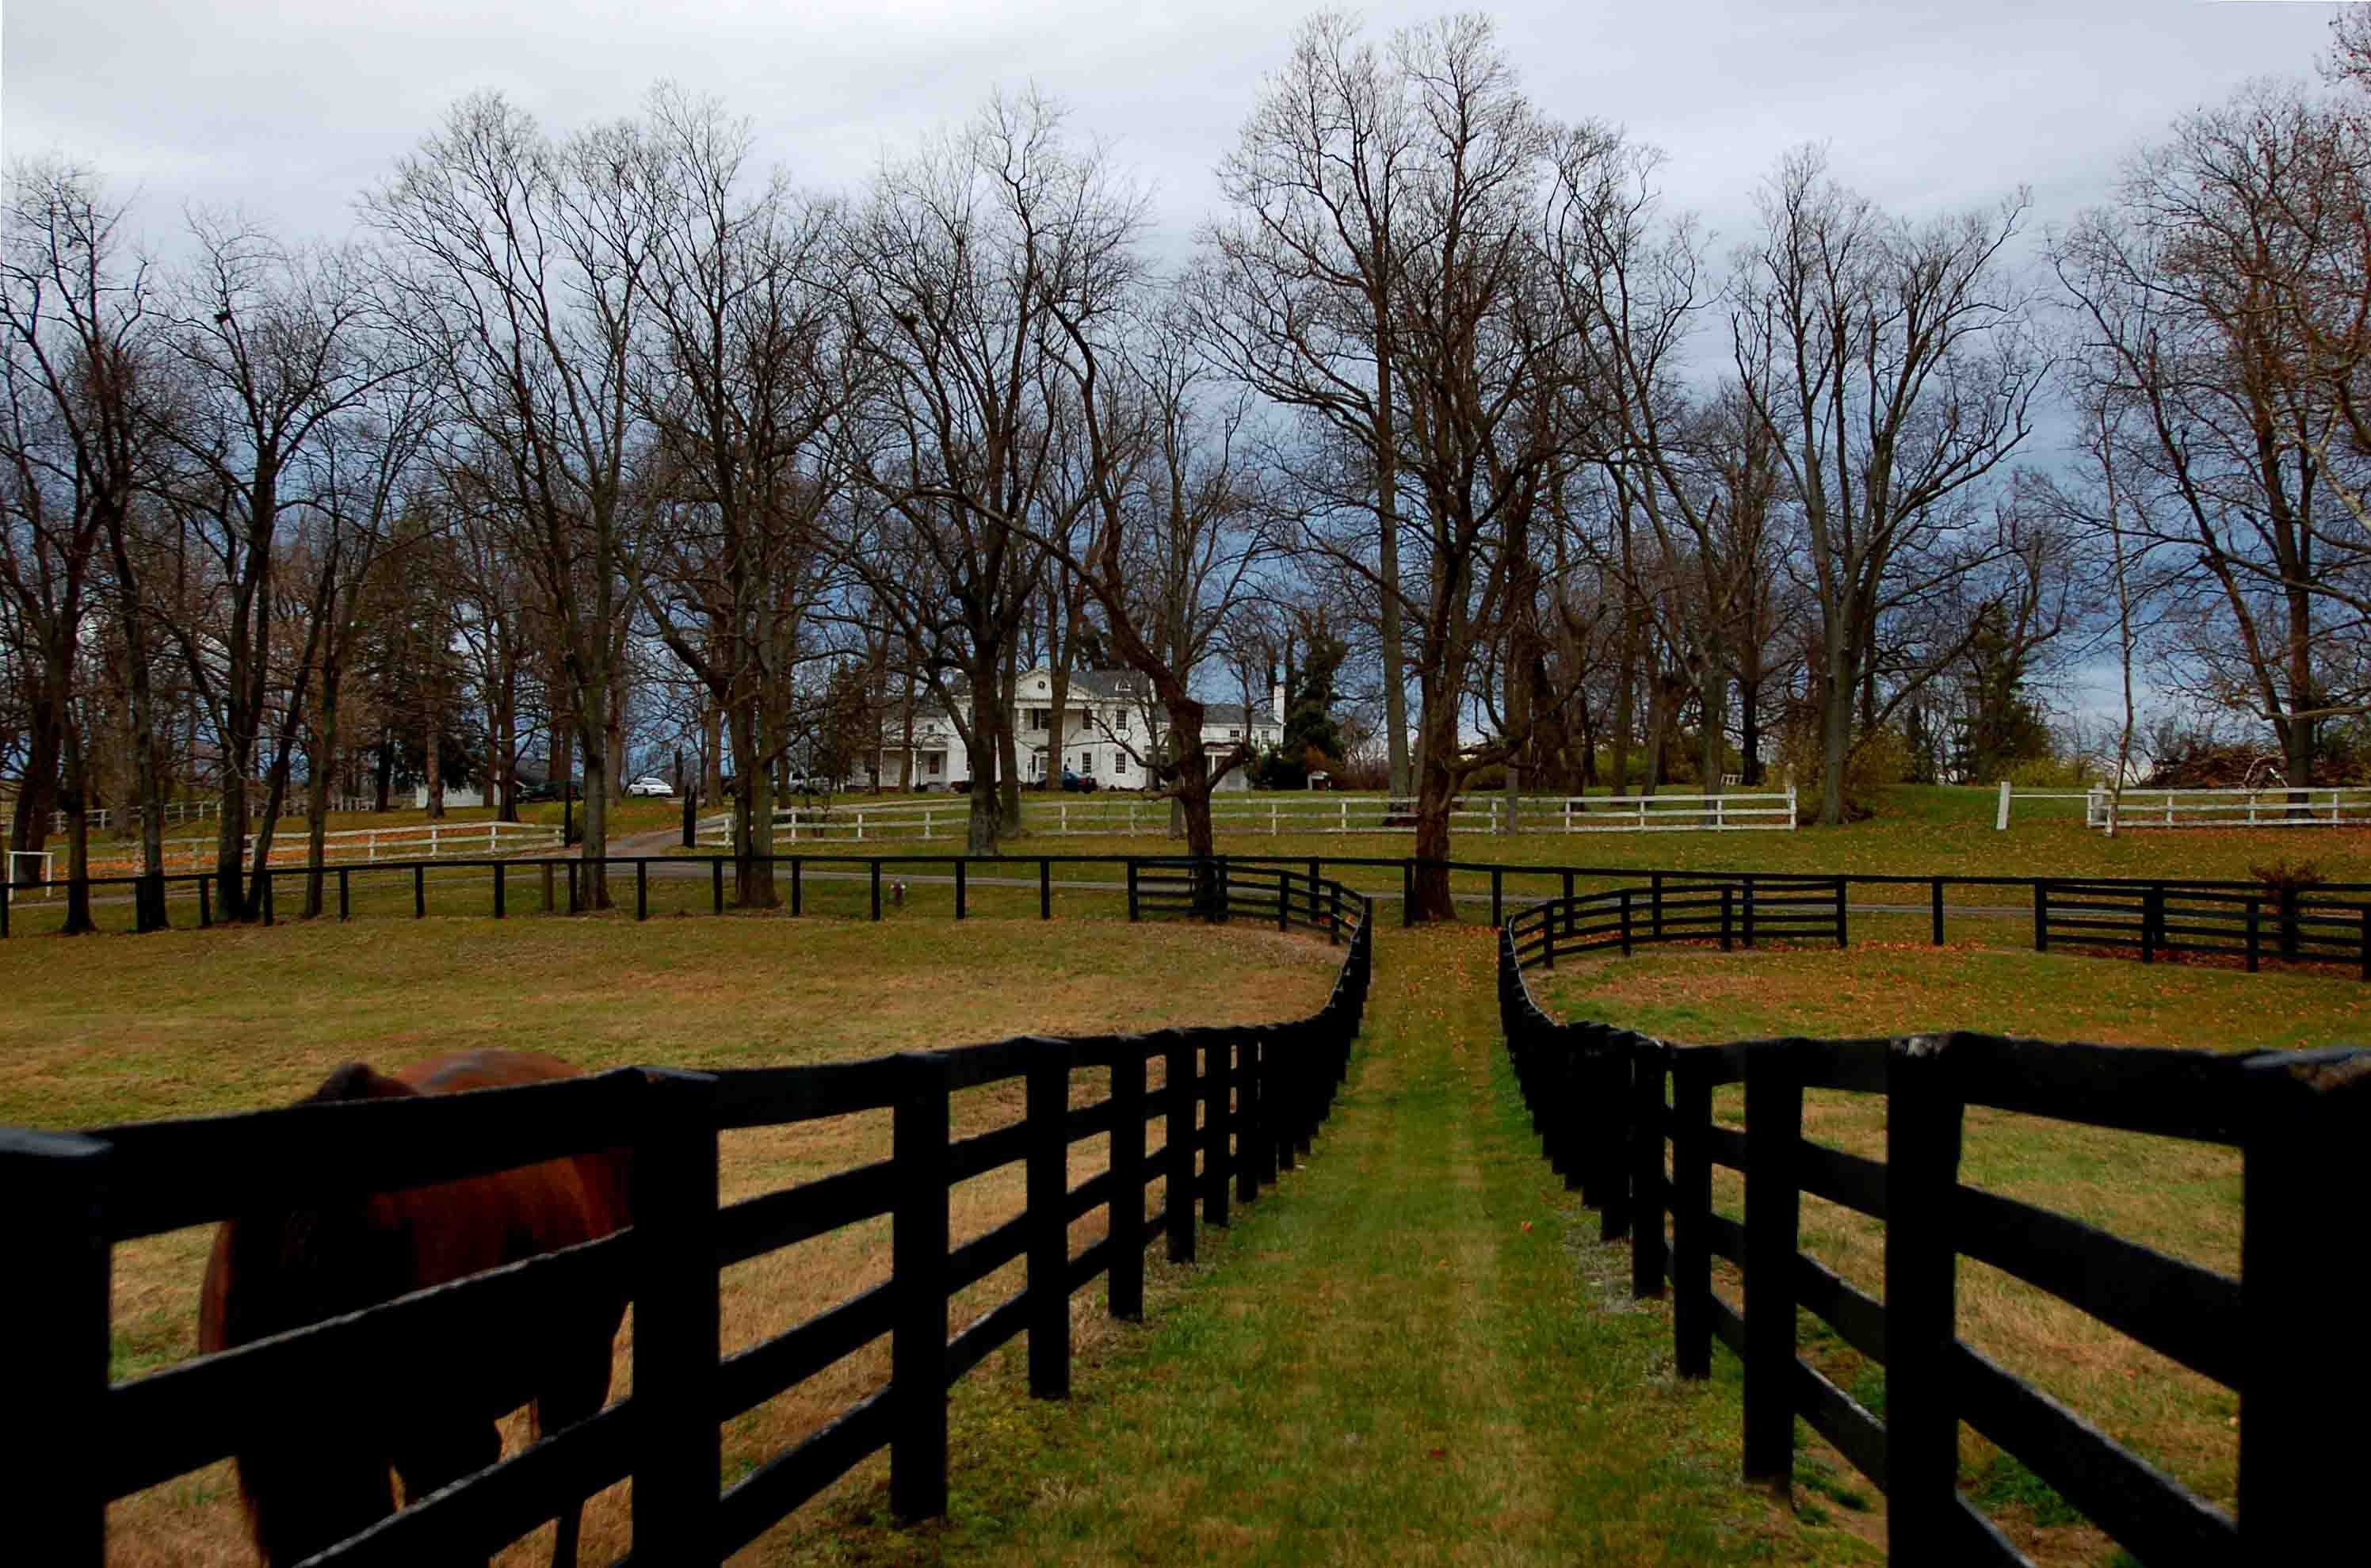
[{"x": 322, "y": 1475}]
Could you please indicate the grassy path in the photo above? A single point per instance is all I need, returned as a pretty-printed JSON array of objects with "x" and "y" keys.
[{"x": 1413, "y": 1351}]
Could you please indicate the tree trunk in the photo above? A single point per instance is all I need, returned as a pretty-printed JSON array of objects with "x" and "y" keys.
[
  {"x": 78, "y": 920},
  {"x": 1835, "y": 730},
  {"x": 1712, "y": 730},
  {"x": 1748, "y": 730},
  {"x": 435, "y": 771},
  {"x": 1008, "y": 757},
  {"x": 316, "y": 804}
]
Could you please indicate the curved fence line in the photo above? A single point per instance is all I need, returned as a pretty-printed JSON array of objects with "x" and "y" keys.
[
  {"x": 1607, "y": 1102},
  {"x": 2149, "y": 916},
  {"x": 1245, "y": 1100}
]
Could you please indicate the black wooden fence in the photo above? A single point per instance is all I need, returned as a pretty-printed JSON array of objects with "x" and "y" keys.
[
  {"x": 1728, "y": 913},
  {"x": 1245, "y": 1100},
  {"x": 1607, "y": 1102}
]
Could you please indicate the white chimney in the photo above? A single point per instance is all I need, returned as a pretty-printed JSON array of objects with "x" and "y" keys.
[{"x": 1276, "y": 701}]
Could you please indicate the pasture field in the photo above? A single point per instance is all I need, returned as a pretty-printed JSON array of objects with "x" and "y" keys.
[
  {"x": 226, "y": 1019},
  {"x": 2181, "y": 1198}
]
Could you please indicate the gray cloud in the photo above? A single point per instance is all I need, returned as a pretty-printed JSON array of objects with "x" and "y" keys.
[{"x": 290, "y": 108}]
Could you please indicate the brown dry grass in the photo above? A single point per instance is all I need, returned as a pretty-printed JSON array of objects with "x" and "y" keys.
[{"x": 206, "y": 1021}]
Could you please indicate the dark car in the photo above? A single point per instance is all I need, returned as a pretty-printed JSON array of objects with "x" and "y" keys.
[
  {"x": 1076, "y": 785},
  {"x": 533, "y": 793}
]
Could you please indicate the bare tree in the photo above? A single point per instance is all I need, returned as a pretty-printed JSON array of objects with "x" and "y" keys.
[
  {"x": 1300, "y": 291},
  {"x": 745, "y": 372},
  {"x": 2211, "y": 301},
  {"x": 526, "y": 263},
  {"x": 968, "y": 262},
  {"x": 1894, "y": 363},
  {"x": 81, "y": 423}
]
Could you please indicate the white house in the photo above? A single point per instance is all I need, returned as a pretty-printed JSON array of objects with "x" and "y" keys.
[{"x": 1111, "y": 724}]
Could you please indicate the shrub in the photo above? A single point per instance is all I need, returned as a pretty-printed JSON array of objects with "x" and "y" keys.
[{"x": 1877, "y": 760}]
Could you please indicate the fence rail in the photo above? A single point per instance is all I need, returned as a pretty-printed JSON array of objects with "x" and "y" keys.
[
  {"x": 365, "y": 846},
  {"x": 1280, "y": 813},
  {"x": 2279, "y": 807},
  {"x": 2208, "y": 917},
  {"x": 1237, "y": 1104},
  {"x": 1607, "y": 1103}
]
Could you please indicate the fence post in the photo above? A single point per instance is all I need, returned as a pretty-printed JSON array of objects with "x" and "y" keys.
[
  {"x": 2304, "y": 1114},
  {"x": 546, "y": 887},
  {"x": 1647, "y": 1195},
  {"x": 1773, "y": 1125},
  {"x": 918, "y": 1281},
  {"x": 1218, "y": 1127},
  {"x": 1126, "y": 1280},
  {"x": 1045, "y": 890},
  {"x": 1609, "y": 1096},
  {"x": 2288, "y": 896},
  {"x": 1134, "y": 914},
  {"x": 798, "y": 889},
  {"x": 877, "y": 888},
  {"x": 57, "y": 1182},
  {"x": 420, "y": 892},
  {"x": 1691, "y": 1216},
  {"x": 575, "y": 887},
  {"x": 498, "y": 893},
  {"x": 1407, "y": 893},
  {"x": 1725, "y": 892},
  {"x": 2255, "y": 932},
  {"x": 1498, "y": 897},
  {"x": 1747, "y": 882},
  {"x": 678, "y": 1452},
  {"x": 2041, "y": 916},
  {"x": 1177, "y": 1074},
  {"x": 716, "y": 885},
  {"x": 641, "y": 890},
  {"x": 1843, "y": 920},
  {"x": 1250, "y": 1134},
  {"x": 1048, "y": 1181},
  {"x": 959, "y": 887},
  {"x": 2152, "y": 911},
  {"x": 1625, "y": 923},
  {"x": 1938, "y": 891},
  {"x": 1655, "y": 895},
  {"x": 1923, "y": 1118}
]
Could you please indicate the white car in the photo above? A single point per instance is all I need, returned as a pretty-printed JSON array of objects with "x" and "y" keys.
[{"x": 650, "y": 787}]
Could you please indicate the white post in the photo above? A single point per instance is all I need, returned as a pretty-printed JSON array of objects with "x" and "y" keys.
[
  {"x": 1791, "y": 808},
  {"x": 2000, "y": 822},
  {"x": 431, "y": 841},
  {"x": 1719, "y": 820},
  {"x": 1272, "y": 828},
  {"x": 1346, "y": 812}
]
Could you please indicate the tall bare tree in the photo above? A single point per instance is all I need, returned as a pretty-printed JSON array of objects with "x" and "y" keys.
[
  {"x": 526, "y": 262},
  {"x": 1895, "y": 365}
]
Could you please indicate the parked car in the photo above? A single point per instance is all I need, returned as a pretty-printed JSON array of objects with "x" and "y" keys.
[
  {"x": 549, "y": 790},
  {"x": 650, "y": 788},
  {"x": 1077, "y": 785}
]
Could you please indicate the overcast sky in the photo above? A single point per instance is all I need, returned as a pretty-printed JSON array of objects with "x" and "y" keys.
[{"x": 289, "y": 107}]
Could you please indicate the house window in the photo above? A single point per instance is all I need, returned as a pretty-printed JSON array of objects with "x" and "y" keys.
[
  {"x": 1234, "y": 735},
  {"x": 1119, "y": 763},
  {"x": 1037, "y": 718},
  {"x": 1086, "y": 762},
  {"x": 1121, "y": 728},
  {"x": 932, "y": 763}
]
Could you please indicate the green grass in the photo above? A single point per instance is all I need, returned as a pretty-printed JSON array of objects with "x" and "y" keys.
[{"x": 1413, "y": 1349}]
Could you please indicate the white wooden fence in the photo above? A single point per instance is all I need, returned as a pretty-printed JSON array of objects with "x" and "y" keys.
[
  {"x": 422, "y": 841},
  {"x": 1279, "y": 814},
  {"x": 2321, "y": 806},
  {"x": 102, "y": 818}
]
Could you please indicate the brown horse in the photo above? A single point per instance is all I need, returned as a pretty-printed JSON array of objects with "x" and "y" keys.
[{"x": 306, "y": 1490}]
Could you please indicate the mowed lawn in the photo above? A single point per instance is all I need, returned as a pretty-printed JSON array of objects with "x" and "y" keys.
[
  {"x": 109, "y": 1028},
  {"x": 2180, "y": 1197}
]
